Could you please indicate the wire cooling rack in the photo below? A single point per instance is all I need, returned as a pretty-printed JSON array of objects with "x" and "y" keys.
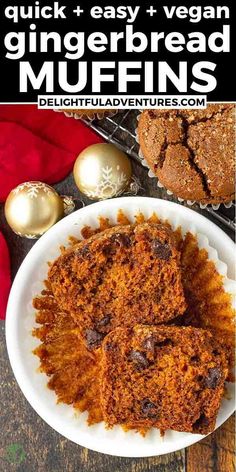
[{"x": 120, "y": 130}]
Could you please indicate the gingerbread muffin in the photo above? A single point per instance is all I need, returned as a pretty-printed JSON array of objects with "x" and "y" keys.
[
  {"x": 120, "y": 277},
  {"x": 191, "y": 151},
  {"x": 163, "y": 377}
]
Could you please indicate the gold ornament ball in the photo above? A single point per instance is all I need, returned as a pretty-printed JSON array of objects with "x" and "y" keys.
[
  {"x": 102, "y": 171},
  {"x": 32, "y": 208}
]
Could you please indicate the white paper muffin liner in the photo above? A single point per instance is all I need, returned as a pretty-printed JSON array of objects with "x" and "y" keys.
[
  {"x": 21, "y": 320},
  {"x": 99, "y": 116},
  {"x": 160, "y": 185}
]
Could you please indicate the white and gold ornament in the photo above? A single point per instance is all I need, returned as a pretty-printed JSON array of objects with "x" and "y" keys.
[
  {"x": 33, "y": 207},
  {"x": 102, "y": 171}
]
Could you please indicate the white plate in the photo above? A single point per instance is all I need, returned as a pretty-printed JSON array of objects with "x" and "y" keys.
[{"x": 20, "y": 321}]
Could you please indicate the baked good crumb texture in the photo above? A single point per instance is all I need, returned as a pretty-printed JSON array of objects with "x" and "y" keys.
[
  {"x": 132, "y": 320},
  {"x": 167, "y": 377},
  {"x": 120, "y": 277}
]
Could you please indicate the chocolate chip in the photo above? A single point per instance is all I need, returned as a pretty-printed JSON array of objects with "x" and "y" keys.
[
  {"x": 148, "y": 408},
  {"x": 93, "y": 338},
  {"x": 201, "y": 423},
  {"x": 165, "y": 342},
  {"x": 215, "y": 352},
  {"x": 149, "y": 344},
  {"x": 161, "y": 250},
  {"x": 103, "y": 321},
  {"x": 122, "y": 239},
  {"x": 194, "y": 359},
  {"x": 139, "y": 358},
  {"x": 200, "y": 378},
  {"x": 84, "y": 252},
  {"x": 213, "y": 378},
  {"x": 108, "y": 250}
]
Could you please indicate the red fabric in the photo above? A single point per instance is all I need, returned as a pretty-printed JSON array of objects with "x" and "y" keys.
[
  {"x": 5, "y": 278},
  {"x": 35, "y": 145},
  {"x": 38, "y": 145}
]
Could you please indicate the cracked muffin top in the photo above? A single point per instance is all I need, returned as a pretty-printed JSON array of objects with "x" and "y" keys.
[
  {"x": 191, "y": 151},
  {"x": 119, "y": 277}
]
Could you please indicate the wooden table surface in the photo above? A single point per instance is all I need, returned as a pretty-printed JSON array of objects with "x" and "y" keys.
[{"x": 28, "y": 444}]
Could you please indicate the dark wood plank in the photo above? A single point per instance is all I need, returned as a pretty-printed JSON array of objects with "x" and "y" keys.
[{"x": 216, "y": 452}]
